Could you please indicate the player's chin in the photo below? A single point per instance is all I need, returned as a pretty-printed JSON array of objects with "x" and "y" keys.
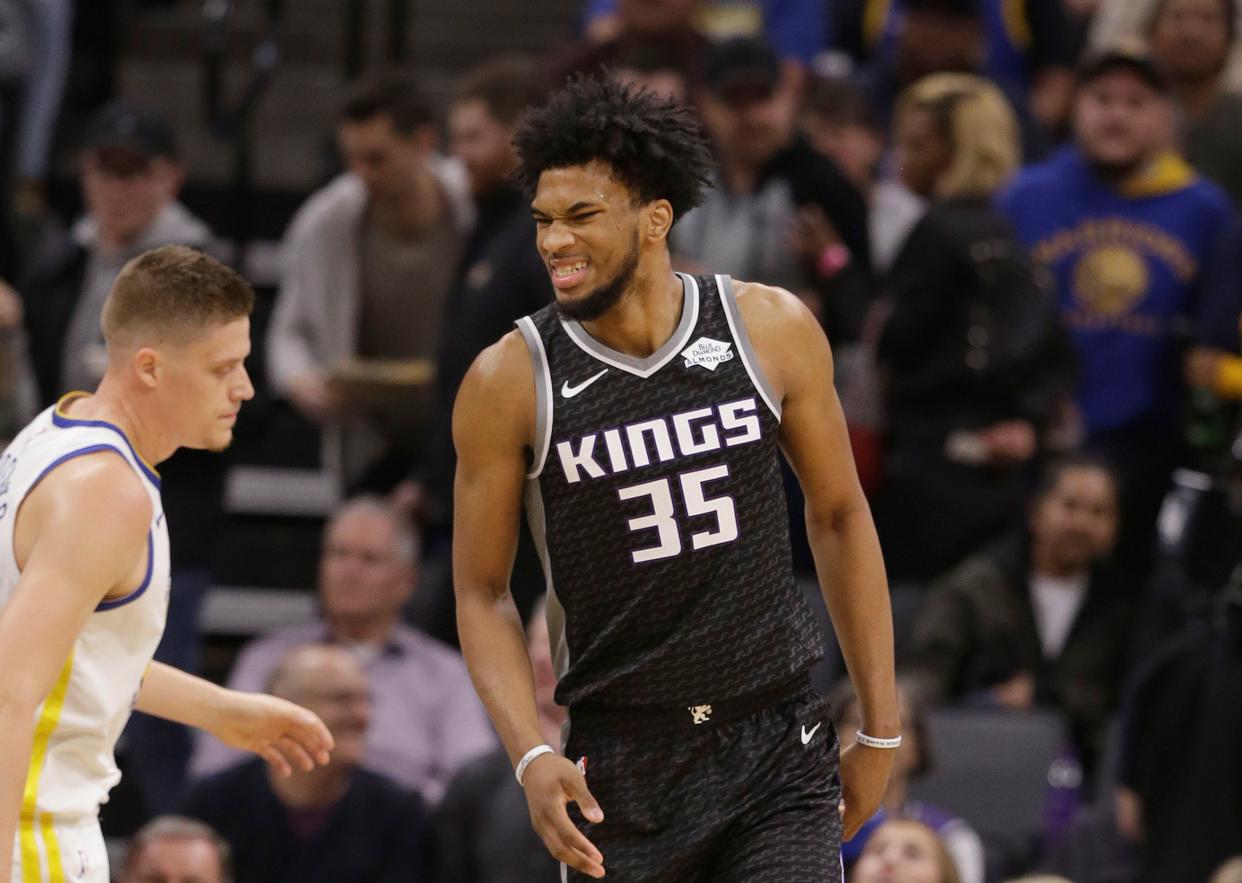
[{"x": 219, "y": 441}]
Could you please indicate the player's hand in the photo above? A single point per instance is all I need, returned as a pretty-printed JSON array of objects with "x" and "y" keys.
[
  {"x": 284, "y": 734},
  {"x": 864, "y": 779},
  {"x": 552, "y": 783}
]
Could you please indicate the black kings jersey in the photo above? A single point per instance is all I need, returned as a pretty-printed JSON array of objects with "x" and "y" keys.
[{"x": 656, "y": 503}]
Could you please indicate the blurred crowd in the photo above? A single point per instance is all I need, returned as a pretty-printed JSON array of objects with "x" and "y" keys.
[{"x": 1018, "y": 223}]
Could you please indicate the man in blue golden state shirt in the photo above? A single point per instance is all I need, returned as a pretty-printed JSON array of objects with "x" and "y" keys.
[{"x": 1126, "y": 226}]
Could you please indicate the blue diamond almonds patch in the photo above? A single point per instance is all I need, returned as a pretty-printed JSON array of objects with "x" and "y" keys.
[{"x": 708, "y": 353}]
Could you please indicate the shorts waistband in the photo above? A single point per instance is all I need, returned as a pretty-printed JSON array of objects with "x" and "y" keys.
[{"x": 696, "y": 717}]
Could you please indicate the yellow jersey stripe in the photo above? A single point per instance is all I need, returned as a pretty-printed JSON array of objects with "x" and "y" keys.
[
  {"x": 55, "y": 872},
  {"x": 48, "y": 719}
]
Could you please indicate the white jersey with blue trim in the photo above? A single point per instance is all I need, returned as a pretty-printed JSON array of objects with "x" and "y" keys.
[{"x": 72, "y": 766}]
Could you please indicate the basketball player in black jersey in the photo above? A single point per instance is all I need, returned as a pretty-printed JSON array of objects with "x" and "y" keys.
[{"x": 641, "y": 417}]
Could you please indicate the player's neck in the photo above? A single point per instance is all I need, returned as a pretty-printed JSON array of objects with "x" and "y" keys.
[
  {"x": 647, "y": 314},
  {"x": 321, "y": 787},
  {"x": 110, "y": 403}
]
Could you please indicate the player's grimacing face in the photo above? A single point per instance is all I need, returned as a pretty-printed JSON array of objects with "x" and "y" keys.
[
  {"x": 208, "y": 383},
  {"x": 586, "y": 223}
]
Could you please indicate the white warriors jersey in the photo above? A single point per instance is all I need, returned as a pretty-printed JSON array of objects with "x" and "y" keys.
[{"x": 72, "y": 767}]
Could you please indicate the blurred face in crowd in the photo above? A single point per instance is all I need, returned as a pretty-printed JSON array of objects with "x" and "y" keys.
[
  {"x": 931, "y": 43},
  {"x": 386, "y": 160},
  {"x": 654, "y": 16},
  {"x": 587, "y": 226},
  {"x": 125, "y": 190},
  {"x": 854, "y": 147},
  {"x": 1074, "y": 524},
  {"x": 1190, "y": 39},
  {"x": 175, "y": 860},
  {"x": 331, "y": 682},
  {"x": 751, "y": 123},
  {"x": 482, "y": 143},
  {"x": 1120, "y": 121},
  {"x": 924, "y": 153},
  {"x": 364, "y": 577},
  {"x": 900, "y": 851}
]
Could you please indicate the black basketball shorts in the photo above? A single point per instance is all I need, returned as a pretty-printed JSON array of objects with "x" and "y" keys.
[{"x": 752, "y": 799}]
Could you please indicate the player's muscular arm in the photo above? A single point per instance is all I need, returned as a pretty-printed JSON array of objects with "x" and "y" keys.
[
  {"x": 80, "y": 536},
  {"x": 795, "y": 356},
  {"x": 493, "y": 427}
]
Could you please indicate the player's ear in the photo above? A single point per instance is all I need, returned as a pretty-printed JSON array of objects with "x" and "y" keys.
[
  {"x": 148, "y": 366},
  {"x": 659, "y": 219}
]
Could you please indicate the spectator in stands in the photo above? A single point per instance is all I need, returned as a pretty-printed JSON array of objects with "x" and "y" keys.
[
  {"x": 969, "y": 354},
  {"x": 904, "y": 851},
  {"x": 18, "y": 395},
  {"x": 427, "y": 720},
  {"x": 367, "y": 266},
  {"x": 500, "y": 279},
  {"x": 130, "y": 179},
  {"x": 797, "y": 29},
  {"x": 1126, "y": 226},
  {"x": 768, "y": 172},
  {"x": 663, "y": 29},
  {"x": 642, "y": 68},
  {"x": 1118, "y": 21},
  {"x": 1190, "y": 42},
  {"x": 176, "y": 849},
  {"x": 483, "y": 831},
  {"x": 1026, "y": 54},
  {"x": 337, "y": 823},
  {"x": 1037, "y": 619},
  {"x": 914, "y": 759}
]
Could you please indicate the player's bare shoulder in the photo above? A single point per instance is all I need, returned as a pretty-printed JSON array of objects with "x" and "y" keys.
[
  {"x": 496, "y": 398},
  {"x": 783, "y": 332}
]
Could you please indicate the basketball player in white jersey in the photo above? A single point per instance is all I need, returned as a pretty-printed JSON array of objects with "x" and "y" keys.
[{"x": 84, "y": 566}]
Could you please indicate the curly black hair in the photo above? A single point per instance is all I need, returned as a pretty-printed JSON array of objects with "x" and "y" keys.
[{"x": 655, "y": 146}]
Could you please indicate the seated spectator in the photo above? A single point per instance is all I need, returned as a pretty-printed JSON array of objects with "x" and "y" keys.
[
  {"x": 1190, "y": 43},
  {"x": 913, "y": 760},
  {"x": 1126, "y": 227},
  {"x": 768, "y": 172},
  {"x": 662, "y": 30},
  {"x": 427, "y": 720},
  {"x": 483, "y": 830},
  {"x": 368, "y": 264},
  {"x": 904, "y": 851},
  {"x": 18, "y": 395},
  {"x": 175, "y": 849},
  {"x": 130, "y": 179},
  {"x": 336, "y": 823},
  {"x": 797, "y": 29},
  {"x": 970, "y": 355},
  {"x": 1037, "y": 619}
]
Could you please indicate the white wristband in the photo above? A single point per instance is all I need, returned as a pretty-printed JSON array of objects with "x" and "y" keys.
[
  {"x": 876, "y": 742},
  {"x": 528, "y": 757}
]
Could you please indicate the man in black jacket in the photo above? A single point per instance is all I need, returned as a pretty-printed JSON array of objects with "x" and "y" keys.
[{"x": 500, "y": 279}]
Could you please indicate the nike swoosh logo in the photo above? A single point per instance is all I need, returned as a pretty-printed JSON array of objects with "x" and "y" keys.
[
  {"x": 808, "y": 735},
  {"x": 570, "y": 391}
]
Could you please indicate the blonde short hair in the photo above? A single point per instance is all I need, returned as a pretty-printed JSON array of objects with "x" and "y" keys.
[
  {"x": 172, "y": 292},
  {"x": 981, "y": 127}
]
